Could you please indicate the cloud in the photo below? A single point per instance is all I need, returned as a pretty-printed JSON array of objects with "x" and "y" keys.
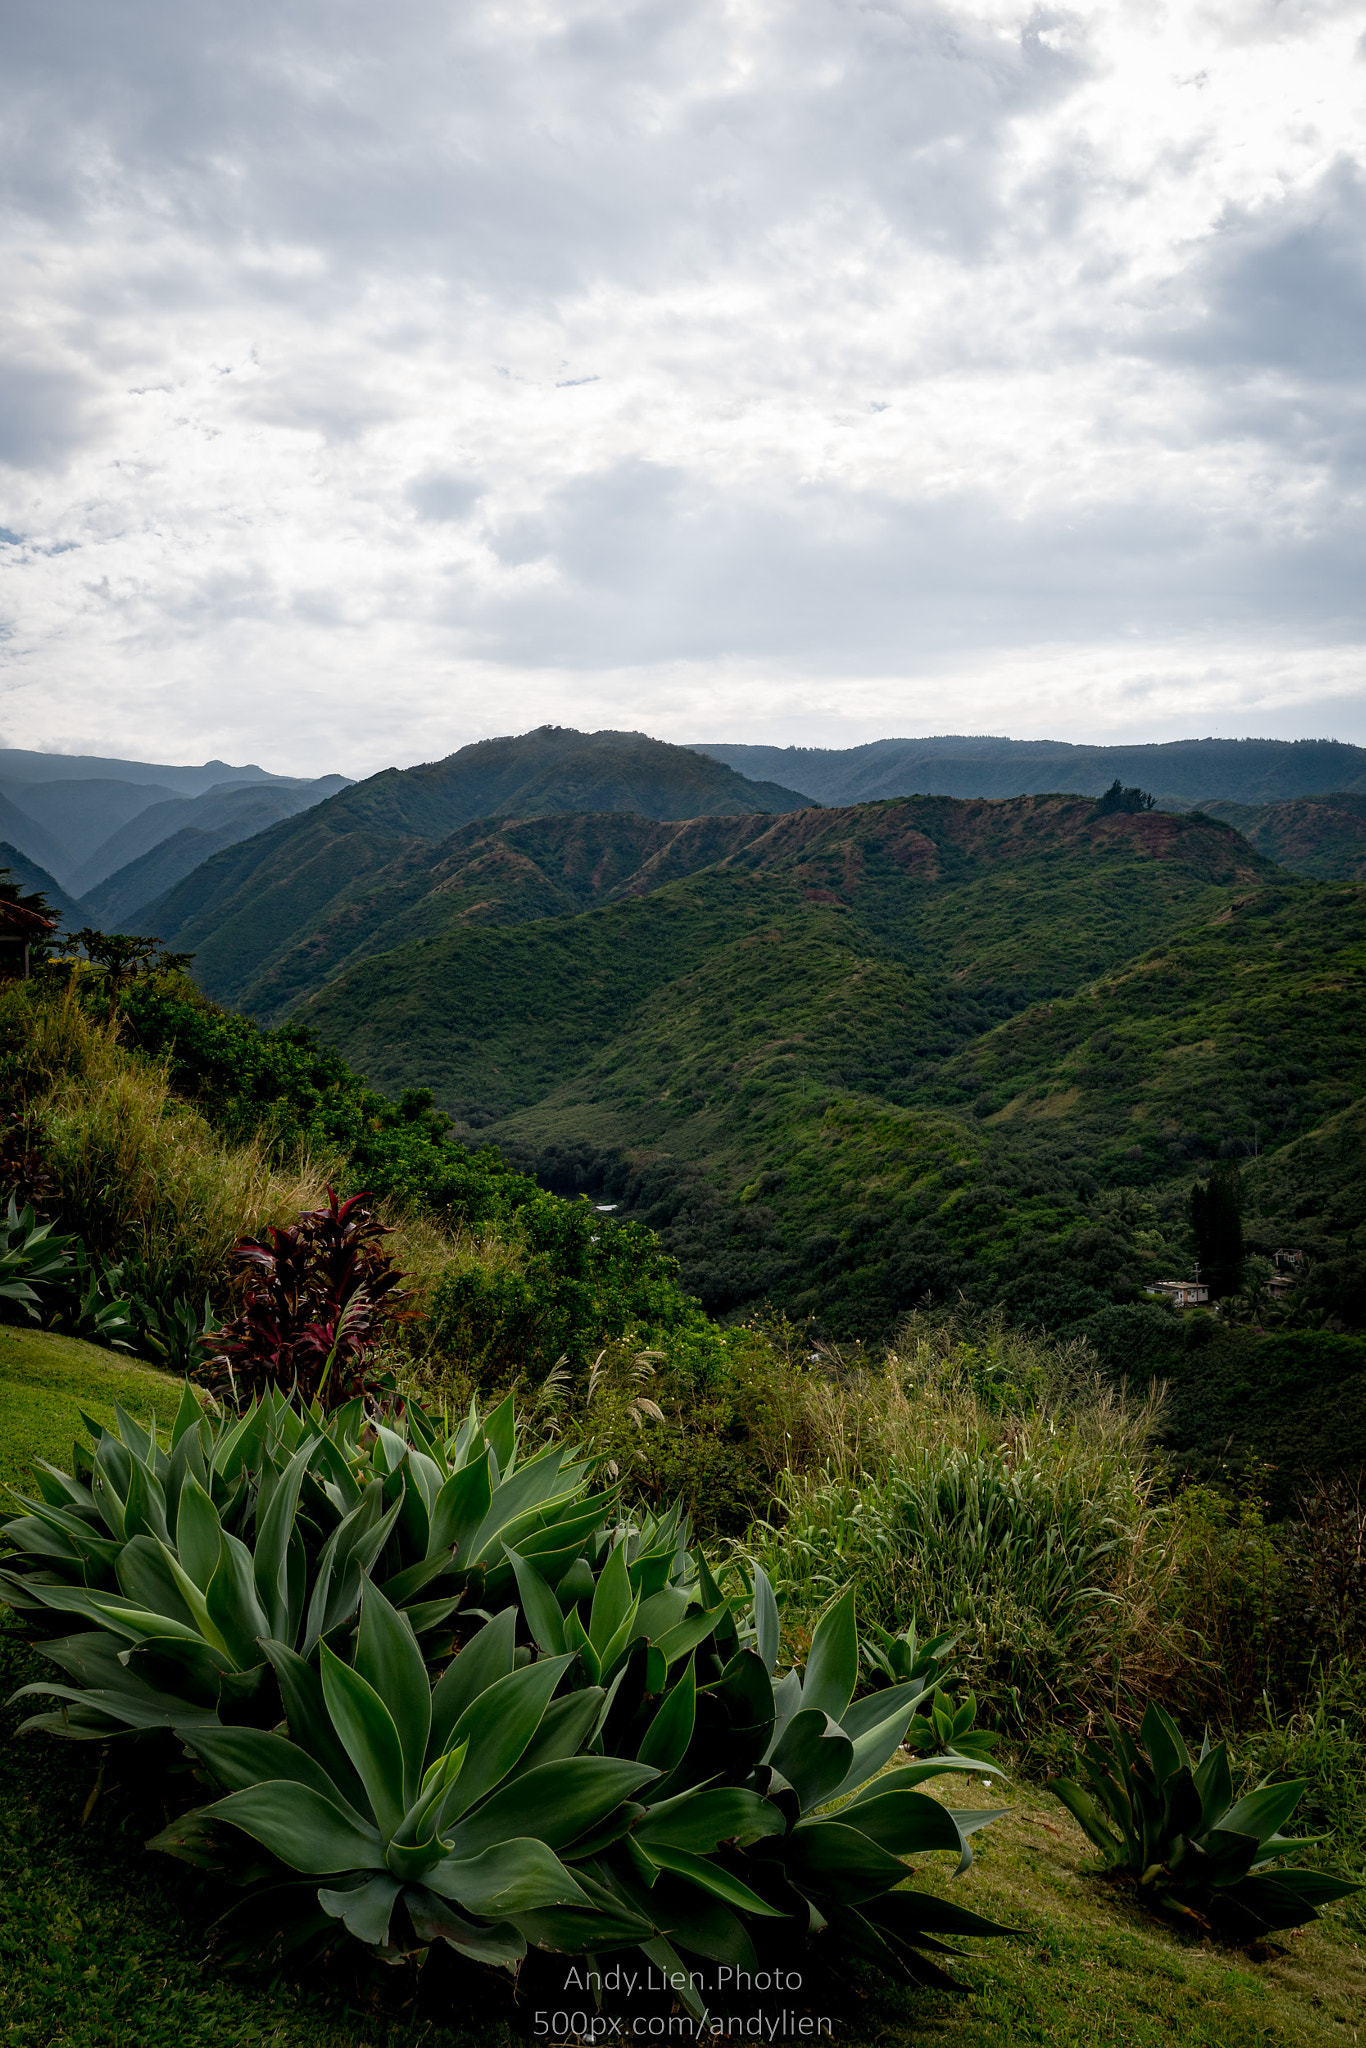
[{"x": 620, "y": 349}]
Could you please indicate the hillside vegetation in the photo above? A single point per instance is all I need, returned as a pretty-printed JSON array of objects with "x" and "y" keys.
[
  {"x": 969, "y": 1479},
  {"x": 241, "y": 910},
  {"x": 1322, "y": 836}
]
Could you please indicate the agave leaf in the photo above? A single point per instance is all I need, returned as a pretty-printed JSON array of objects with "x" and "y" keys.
[
  {"x": 710, "y": 1877},
  {"x": 1163, "y": 1742},
  {"x": 1263, "y": 1812},
  {"x": 517, "y": 1876},
  {"x": 1086, "y": 1813},
  {"x": 234, "y": 1609},
  {"x": 459, "y": 1509},
  {"x": 500, "y": 1433},
  {"x": 832, "y": 1667},
  {"x": 369, "y": 1737},
  {"x": 272, "y": 1543},
  {"x": 698, "y": 1625},
  {"x": 486, "y": 1658},
  {"x": 554, "y": 1803},
  {"x": 388, "y": 1656},
  {"x": 566, "y": 1728},
  {"x": 665, "y": 1742},
  {"x": 814, "y": 1755},
  {"x": 904, "y": 1822},
  {"x": 1214, "y": 1783},
  {"x": 612, "y": 1600},
  {"x": 241, "y": 1757},
  {"x": 665, "y": 1959},
  {"x": 303, "y": 1828},
  {"x": 697, "y": 1820},
  {"x": 499, "y": 1724},
  {"x": 832, "y": 1858},
  {"x": 198, "y": 1533},
  {"x": 767, "y": 1629},
  {"x": 434, "y": 1920},
  {"x": 540, "y": 1606},
  {"x": 366, "y": 1910}
]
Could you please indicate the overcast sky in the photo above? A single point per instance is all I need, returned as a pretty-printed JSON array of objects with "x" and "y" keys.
[{"x": 380, "y": 377}]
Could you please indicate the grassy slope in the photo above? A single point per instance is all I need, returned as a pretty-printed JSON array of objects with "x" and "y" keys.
[
  {"x": 101, "y": 1942},
  {"x": 45, "y": 1378}
]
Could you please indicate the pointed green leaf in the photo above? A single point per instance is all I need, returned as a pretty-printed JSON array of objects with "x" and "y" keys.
[
  {"x": 832, "y": 1667},
  {"x": 553, "y": 1804},
  {"x": 485, "y": 1659},
  {"x": 814, "y": 1755},
  {"x": 699, "y": 1819},
  {"x": 514, "y": 1877},
  {"x": 301, "y": 1827},
  {"x": 388, "y": 1657},
  {"x": 198, "y": 1533},
  {"x": 369, "y": 1737},
  {"x": 500, "y": 1723},
  {"x": 500, "y": 1432},
  {"x": 540, "y": 1606},
  {"x": 665, "y": 1742},
  {"x": 767, "y": 1630},
  {"x": 711, "y": 1878}
]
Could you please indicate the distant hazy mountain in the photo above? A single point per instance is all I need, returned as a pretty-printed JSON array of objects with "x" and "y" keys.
[
  {"x": 17, "y": 764},
  {"x": 1180, "y": 773},
  {"x": 249, "y": 906},
  {"x": 30, "y": 876},
  {"x": 139, "y": 861},
  {"x": 81, "y": 816},
  {"x": 20, "y": 830}
]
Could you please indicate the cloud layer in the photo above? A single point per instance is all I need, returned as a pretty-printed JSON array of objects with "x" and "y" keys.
[{"x": 374, "y": 379}]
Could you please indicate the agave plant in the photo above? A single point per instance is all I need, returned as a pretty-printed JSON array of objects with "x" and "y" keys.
[
  {"x": 30, "y": 1257},
  {"x": 495, "y": 1810},
  {"x": 263, "y": 1526},
  {"x": 279, "y": 1561},
  {"x": 1174, "y": 1827}
]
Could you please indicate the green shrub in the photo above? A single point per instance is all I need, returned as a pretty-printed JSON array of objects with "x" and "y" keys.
[{"x": 1174, "y": 1829}]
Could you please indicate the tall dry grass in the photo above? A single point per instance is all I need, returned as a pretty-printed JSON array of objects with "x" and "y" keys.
[
  {"x": 984, "y": 1482},
  {"x": 136, "y": 1169}
]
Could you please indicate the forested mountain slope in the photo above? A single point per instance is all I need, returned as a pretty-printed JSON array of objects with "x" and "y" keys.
[
  {"x": 911, "y": 1046},
  {"x": 1322, "y": 836},
  {"x": 244, "y": 910}
]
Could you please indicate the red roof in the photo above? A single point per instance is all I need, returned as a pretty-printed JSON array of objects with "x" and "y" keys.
[{"x": 18, "y": 923}]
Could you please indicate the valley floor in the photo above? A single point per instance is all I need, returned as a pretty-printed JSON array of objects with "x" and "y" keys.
[{"x": 101, "y": 1944}]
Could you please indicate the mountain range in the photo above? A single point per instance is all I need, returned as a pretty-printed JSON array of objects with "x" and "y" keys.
[
  {"x": 841, "y": 1057},
  {"x": 92, "y": 822},
  {"x": 1181, "y": 774}
]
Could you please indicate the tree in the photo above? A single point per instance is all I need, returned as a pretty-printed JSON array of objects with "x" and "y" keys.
[
  {"x": 1217, "y": 1222},
  {"x": 1117, "y": 798}
]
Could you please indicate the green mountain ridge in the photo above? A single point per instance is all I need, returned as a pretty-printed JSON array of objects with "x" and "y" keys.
[
  {"x": 868, "y": 1054},
  {"x": 1184, "y": 773},
  {"x": 1321, "y": 836},
  {"x": 243, "y": 911}
]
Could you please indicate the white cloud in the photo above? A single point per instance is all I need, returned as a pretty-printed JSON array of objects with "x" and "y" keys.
[{"x": 389, "y": 377}]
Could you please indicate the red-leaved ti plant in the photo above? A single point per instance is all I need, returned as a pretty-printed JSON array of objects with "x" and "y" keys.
[{"x": 316, "y": 1295}]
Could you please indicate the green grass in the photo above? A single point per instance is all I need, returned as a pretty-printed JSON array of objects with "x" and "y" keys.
[{"x": 45, "y": 1378}]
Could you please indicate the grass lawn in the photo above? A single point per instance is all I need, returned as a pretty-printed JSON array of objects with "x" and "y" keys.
[
  {"x": 101, "y": 1943},
  {"x": 44, "y": 1379}
]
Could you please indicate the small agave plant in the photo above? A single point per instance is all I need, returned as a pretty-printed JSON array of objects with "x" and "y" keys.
[{"x": 1173, "y": 1826}]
